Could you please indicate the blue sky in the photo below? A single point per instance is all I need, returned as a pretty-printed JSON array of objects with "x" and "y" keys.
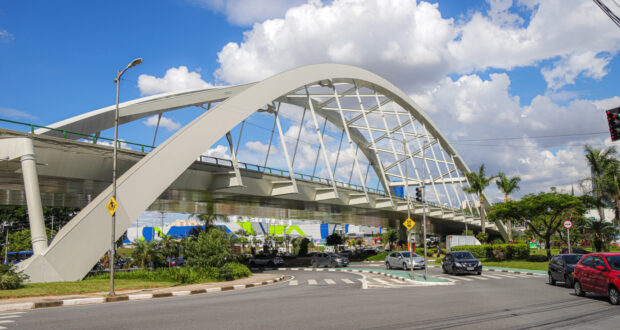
[{"x": 556, "y": 76}]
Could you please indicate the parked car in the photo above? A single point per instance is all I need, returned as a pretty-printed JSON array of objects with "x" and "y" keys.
[
  {"x": 562, "y": 267},
  {"x": 329, "y": 260},
  {"x": 599, "y": 273},
  {"x": 346, "y": 253},
  {"x": 262, "y": 260},
  {"x": 177, "y": 262},
  {"x": 400, "y": 259},
  {"x": 575, "y": 251},
  {"x": 461, "y": 262}
]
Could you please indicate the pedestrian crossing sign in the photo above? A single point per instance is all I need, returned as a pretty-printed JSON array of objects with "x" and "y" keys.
[
  {"x": 409, "y": 223},
  {"x": 112, "y": 205}
]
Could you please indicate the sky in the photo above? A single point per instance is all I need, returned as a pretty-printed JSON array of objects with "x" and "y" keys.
[{"x": 519, "y": 86}]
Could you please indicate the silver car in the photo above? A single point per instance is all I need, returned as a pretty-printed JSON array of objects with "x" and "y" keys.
[
  {"x": 329, "y": 260},
  {"x": 400, "y": 259}
]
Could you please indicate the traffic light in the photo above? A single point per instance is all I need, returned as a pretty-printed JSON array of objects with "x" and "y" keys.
[
  {"x": 613, "y": 119},
  {"x": 418, "y": 194}
]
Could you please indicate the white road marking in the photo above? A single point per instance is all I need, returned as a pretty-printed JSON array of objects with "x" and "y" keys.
[
  {"x": 311, "y": 282},
  {"x": 491, "y": 276},
  {"x": 506, "y": 275},
  {"x": 7, "y": 321},
  {"x": 459, "y": 278},
  {"x": 479, "y": 277},
  {"x": 9, "y": 316},
  {"x": 396, "y": 281},
  {"x": 293, "y": 282},
  {"x": 381, "y": 281},
  {"x": 348, "y": 281},
  {"x": 329, "y": 281}
]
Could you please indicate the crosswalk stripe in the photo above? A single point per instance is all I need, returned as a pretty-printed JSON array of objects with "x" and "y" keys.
[
  {"x": 9, "y": 316},
  {"x": 293, "y": 282},
  {"x": 459, "y": 278},
  {"x": 506, "y": 275},
  {"x": 348, "y": 281},
  {"x": 396, "y": 281},
  {"x": 361, "y": 280},
  {"x": 311, "y": 282},
  {"x": 329, "y": 281},
  {"x": 443, "y": 278},
  {"x": 479, "y": 278},
  {"x": 7, "y": 321},
  {"x": 491, "y": 276},
  {"x": 381, "y": 281}
]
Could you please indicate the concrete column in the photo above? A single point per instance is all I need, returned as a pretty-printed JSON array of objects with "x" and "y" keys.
[{"x": 33, "y": 199}]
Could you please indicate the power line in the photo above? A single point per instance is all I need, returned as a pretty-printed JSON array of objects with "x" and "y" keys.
[{"x": 608, "y": 11}]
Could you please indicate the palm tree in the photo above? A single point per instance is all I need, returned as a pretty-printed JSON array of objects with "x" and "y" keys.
[
  {"x": 599, "y": 162},
  {"x": 169, "y": 248},
  {"x": 390, "y": 237},
  {"x": 508, "y": 186},
  {"x": 600, "y": 233},
  {"x": 611, "y": 188},
  {"x": 477, "y": 183}
]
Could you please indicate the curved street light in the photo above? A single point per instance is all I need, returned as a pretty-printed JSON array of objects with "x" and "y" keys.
[{"x": 119, "y": 74}]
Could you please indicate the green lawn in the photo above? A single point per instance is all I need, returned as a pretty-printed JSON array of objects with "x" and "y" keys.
[{"x": 89, "y": 285}]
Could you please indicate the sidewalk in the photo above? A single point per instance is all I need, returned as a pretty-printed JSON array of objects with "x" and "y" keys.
[{"x": 15, "y": 304}]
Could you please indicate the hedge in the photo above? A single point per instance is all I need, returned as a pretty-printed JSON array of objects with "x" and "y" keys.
[{"x": 496, "y": 251}]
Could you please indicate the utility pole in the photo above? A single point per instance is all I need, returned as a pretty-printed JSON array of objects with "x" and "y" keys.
[
  {"x": 408, "y": 211},
  {"x": 424, "y": 210}
]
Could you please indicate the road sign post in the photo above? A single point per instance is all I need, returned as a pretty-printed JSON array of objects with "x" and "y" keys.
[
  {"x": 568, "y": 225},
  {"x": 409, "y": 223}
]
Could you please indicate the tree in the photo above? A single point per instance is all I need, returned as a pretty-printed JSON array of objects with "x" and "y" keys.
[
  {"x": 543, "y": 213},
  {"x": 334, "y": 240},
  {"x": 477, "y": 183},
  {"x": 210, "y": 249},
  {"x": 300, "y": 246},
  {"x": 169, "y": 248},
  {"x": 611, "y": 187},
  {"x": 390, "y": 237},
  {"x": 508, "y": 186},
  {"x": 599, "y": 162},
  {"x": 145, "y": 252},
  {"x": 600, "y": 233}
]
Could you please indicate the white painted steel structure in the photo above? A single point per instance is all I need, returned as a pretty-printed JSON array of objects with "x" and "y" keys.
[{"x": 369, "y": 111}]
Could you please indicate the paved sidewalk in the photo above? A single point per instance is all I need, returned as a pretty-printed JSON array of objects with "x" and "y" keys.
[{"x": 13, "y": 304}]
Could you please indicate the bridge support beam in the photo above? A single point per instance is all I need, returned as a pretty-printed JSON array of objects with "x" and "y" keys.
[{"x": 23, "y": 149}]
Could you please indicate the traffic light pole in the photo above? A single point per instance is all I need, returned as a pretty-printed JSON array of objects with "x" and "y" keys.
[
  {"x": 424, "y": 211},
  {"x": 408, "y": 212}
]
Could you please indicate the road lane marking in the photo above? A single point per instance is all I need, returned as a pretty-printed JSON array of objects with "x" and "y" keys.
[
  {"x": 380, "y": 281},
  {"x": 491, "y": 276},
  {"x": 459, "y": 278},
  {"x": 311, "y": 282},
  {"x": 7, "y": 321},
  {"x": 9, "y": 316},
  {"x": 293, "y": 282},
  {"x": 329, "y": 281},
  {"x": 348, "y": 281},
  {"x": 396, "y": 281},
  {"x": 506, "y": 275},
  {"x": 479, "y": 277}
]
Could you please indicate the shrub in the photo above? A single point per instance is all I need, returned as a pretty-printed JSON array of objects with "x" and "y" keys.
[
  {"x": 537, "y": 258},
  {"x": 209, "y": 249},
  {"x": 508, "y": 251},
  {"x": 233, "y": 271},
  {"x": 10, "y": 278}
]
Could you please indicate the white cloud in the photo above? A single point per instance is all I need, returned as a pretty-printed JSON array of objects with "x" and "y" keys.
[
  {"x": 247, "y": 12},
  {"x": 175, "y": 79},
  {"x": 14, "y": 113},
  {"x": 6, "y": 36},
  {"x": 411, "y": 44},
  {"x": 259, "y": 147},
  {"x": 219, "y": 151},
  {"x": 567, "y": 69},
  {"x": 167, "y": 123}
]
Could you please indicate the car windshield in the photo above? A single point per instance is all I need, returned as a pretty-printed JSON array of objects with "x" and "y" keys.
[
  {"x": 614, "y": 262},
  {"x": 463, "y": 255},
  {"x": 572, "y": 259}
]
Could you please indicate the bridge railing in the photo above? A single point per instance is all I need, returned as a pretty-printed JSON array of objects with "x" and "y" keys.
[{"x": 86, "y": 137}]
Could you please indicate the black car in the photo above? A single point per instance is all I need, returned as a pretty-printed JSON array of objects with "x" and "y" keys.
[
  {"x": 575, "y": 251},
  {"x": 562, "y": 268},
  {"x": 461, "y": 262}
]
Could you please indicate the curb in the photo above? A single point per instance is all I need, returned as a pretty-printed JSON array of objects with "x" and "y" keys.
[
  {"x": 131, "y": 297},
  {"x": 499, "y": 270},
  {"x": 344, "y": 270}
]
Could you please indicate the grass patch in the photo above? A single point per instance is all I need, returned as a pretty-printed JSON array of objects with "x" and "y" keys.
[
  {"x": 89, "y": 285},
  {"x": 520, "y": 264},
  {"x": 378, "y": 257}
]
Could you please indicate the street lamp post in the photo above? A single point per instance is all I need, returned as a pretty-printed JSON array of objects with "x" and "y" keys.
[
  {"x": 408, "y": 211},
  {"x": 119, "y": 74},
  {"x": 424, "y": 211}
]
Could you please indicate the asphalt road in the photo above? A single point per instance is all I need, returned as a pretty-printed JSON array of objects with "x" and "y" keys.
[{"x": 334, "y": 300}]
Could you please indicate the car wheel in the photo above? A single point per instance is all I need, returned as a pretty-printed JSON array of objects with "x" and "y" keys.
[
  {"x": 405, "y": 266},
  {"x": 315, "y": 264},
  {"x": 550, "y": 279},
  {"x": 567, "y": 282},
  {"x": 578, "y": 291},
  {"x": 614, "y": 296},
  {"x": 480, "y": 273},
  {"x": 387, "y": 265}
]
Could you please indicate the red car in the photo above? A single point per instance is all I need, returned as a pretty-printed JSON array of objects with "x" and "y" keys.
[{"x": 599, "y": 273}]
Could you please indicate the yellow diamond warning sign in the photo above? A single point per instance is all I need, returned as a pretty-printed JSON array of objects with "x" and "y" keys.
[
  {"x": 112, "y": 205},
  {"x": 409, "y": 223}
]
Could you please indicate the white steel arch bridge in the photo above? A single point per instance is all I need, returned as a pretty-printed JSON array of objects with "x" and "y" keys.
[{"x": 344, "y": 137}]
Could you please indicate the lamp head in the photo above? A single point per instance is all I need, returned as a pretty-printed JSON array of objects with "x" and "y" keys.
[{"x": 135, "y": 62}]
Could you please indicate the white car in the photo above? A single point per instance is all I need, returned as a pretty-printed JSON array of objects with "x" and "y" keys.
[{"x": 400, "y": 259}]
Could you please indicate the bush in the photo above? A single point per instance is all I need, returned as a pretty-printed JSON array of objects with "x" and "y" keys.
[
  {"x": 233, "y": 271},
  {"x": 537, "y": 258},
  {"x": 499, "y": 251},
  {"x": 10, "y": 278},
  {"x": 209, "y": 249}
]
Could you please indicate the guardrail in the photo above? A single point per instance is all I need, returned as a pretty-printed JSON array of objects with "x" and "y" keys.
[{"x": 88, "y": 137}]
